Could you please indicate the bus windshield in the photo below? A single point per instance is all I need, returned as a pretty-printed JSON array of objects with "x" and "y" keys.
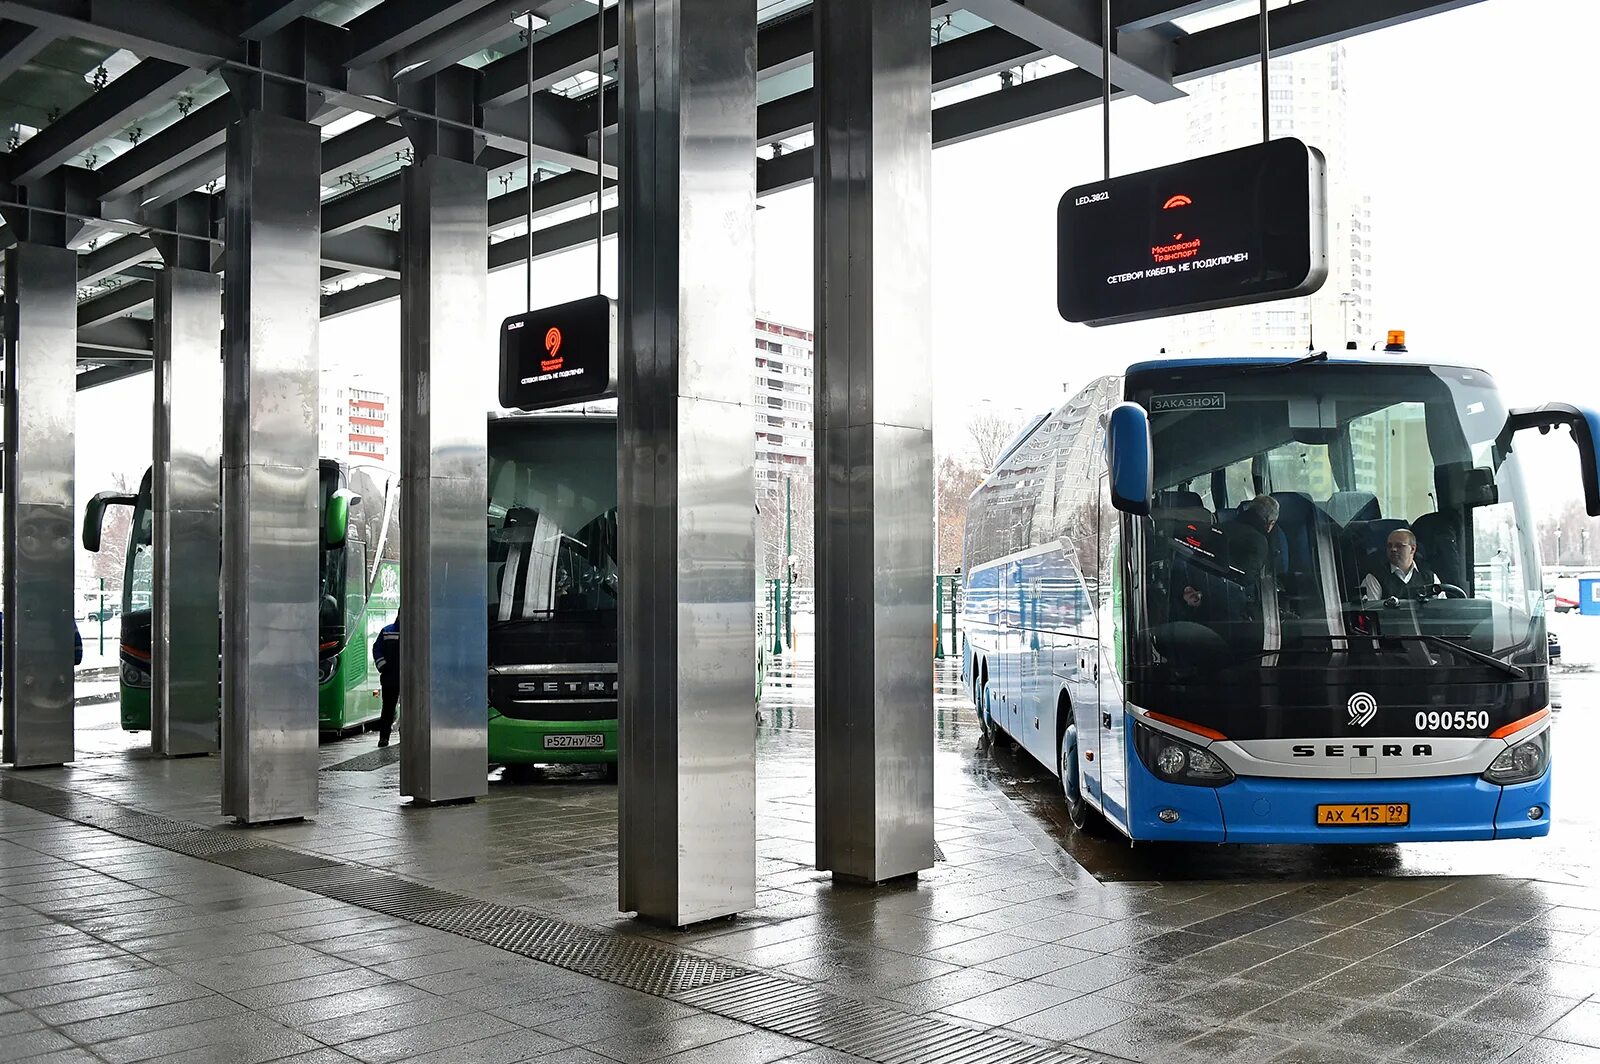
[
  {"x": 330, "y": 563},
  {"x": 1332, "y": 508},
  {"x": 552, "y": 520},
  {"x": 139, "y": 569}
]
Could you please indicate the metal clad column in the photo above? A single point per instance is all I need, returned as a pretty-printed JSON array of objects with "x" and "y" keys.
[
  {"x": 40, "y": 411},
  {"x": 874, "y": 441},
  {"x": 444, "y": 737},
  {"x": 686, "y": 460},
  {"x": 271, "y": 527},
  {"x": 185, "y": 485}
]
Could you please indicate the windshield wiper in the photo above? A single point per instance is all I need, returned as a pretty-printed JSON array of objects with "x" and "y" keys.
[
  {"x": 1476, "y": 655},
  {"x": 1249, "y": 369}
]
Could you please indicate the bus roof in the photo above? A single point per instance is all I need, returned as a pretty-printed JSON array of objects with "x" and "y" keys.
[{"x": 1353, "y": 358}]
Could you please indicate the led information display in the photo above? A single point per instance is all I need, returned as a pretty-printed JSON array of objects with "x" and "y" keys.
[
  {"x": 1244, "y": 226},
  {"x": 559, "y": 355}
]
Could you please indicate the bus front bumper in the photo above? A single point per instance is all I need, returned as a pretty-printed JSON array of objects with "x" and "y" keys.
[
  {"x": 551, "y": 742},
  {"x": 1259, "y": 809}
]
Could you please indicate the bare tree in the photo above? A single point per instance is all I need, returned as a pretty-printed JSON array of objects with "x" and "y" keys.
[
  {"x": 116, "y": 527},
  {"x": 774, "y": 524},
  {"x": 956, "y": 481},
  {"x": 1570, "y": 537},
  {"x": 990, "y": 432}
]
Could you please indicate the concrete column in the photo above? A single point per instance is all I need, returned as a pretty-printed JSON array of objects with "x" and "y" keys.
[
  {"x": 41, "y": 301},
  {"x": 874, "y": 442},
  {"x": 686, "y": 460},
  {"x": 444, "y": 470},
  {"x": 187, "y": 512},
  {"x": 271, "y": 529}
]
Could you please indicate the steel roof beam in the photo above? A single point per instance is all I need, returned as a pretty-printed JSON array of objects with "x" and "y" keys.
[
  {"x": 973, "y": 55},
  {"x": 118, "y": 336},
  {"x": 186, "y": 32},
  {"x": 1071, "y": 29},
  {"x": 19, "y": 43},
  {"x": 1147, "y": 14},
  {"x": 114, "y": 304},
  {"x": 557, "y": 57},
  {"x": 263, "y": 18},
  {"x": 444, "y": 48},
  {"x": 112, "y": 108},
  {"x": 364, "y": 250},
  {"x": 114, "y": 257},
  {"x": 1308, "y": 24},
  {"x": 392, "y": 25},
  {"x": 93, "y": 378},
  {"x": 198, "y": 134}
]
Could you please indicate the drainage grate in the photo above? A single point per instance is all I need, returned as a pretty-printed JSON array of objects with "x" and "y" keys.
[
  {"x": 867, "y": 1031},
  {"x": 391, "y": 894},
  {"x": 207, "y": 844},
  {"x": 372, "y": 759},
  {"x": 270, "y": 861},
  {"x": 938, "y": 852},
  {"x": 799, "y": 1010},
  {"x": 473, "y": 918}
]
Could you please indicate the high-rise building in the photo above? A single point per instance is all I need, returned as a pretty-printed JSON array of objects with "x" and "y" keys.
[
  {"x": 1309, "y": 100},
  {"x": 353, "y": 420},
  {"x": 783, "y": 400}
]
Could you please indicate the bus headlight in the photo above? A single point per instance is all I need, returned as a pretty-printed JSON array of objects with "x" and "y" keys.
[
  {"x": 1177, "y": 761},
  {"x": 1521, "y": 763},
  {"x": 325, "y": 668},
  {"x": 133, "y": 675}
]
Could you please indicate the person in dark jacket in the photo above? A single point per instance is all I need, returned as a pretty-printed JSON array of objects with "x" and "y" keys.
[
  {"x": 386, "y": 653},
  {"x": 77, "y": 642}
]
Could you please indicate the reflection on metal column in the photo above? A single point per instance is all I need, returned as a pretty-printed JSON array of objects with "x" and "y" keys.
[
  {"x": 40, "y": 411},
  {"x": 444, "y": 468},
  {"x": 686, "y": 461},
  {"x": 874, "y": 442},
  {"x": 271, "y": 529},
  {"x": 186, "y": 508}
]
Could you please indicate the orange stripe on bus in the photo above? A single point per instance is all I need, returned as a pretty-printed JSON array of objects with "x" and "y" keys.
[
  {"x": 1517, "y": 725},
  {"x": 1197, "y": 729}
]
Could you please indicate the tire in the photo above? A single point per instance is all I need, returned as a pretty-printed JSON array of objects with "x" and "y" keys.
[
  {"x": 611, "y": 772},
  {"x": 985, "y": 722},
  {"x": 1085, "y": 818}
]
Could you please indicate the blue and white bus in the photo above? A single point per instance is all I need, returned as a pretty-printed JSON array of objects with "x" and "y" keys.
[{"x": 1190, "y": 591}]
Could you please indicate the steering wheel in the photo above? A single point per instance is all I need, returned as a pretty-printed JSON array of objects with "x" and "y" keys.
[{"x": 1452, "y": 591}]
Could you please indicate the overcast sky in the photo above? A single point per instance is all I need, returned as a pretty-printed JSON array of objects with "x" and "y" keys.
[{"x": 1475, "y": 159}]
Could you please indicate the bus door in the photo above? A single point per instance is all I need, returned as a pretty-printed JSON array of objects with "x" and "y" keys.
[
  {"x": 1013, "y": 638},
  {"x": 1108, "y": 603}
]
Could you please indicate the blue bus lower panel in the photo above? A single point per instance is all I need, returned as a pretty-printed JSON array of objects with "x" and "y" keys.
[
  {"x": 1442, "y": 809},
  {"x": 1264, "y": 809}
]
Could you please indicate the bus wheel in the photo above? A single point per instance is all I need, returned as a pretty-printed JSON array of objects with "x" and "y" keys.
[
  {"x": 985, "y": 722},
  {"x": 1083, "y": 816}
]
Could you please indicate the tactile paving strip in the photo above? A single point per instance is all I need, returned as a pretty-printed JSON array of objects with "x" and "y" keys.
[
  {"x": 367, "y": 762},
  {"x": 798, "y": 1010}
]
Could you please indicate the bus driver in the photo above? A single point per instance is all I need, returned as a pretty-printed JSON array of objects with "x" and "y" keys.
[{"x": 1401, "y": 577}]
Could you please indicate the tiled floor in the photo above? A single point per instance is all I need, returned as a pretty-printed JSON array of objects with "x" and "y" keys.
[{"x": 117, "y": 950}]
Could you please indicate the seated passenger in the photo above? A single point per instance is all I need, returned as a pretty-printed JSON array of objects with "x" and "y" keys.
[
  {"x": 1251, "y": 544},
  {"x": 1397, "y": 574}
]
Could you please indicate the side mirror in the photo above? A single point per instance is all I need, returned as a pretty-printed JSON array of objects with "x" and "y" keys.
[
  {"x": 1585, "y": 427},
  {"x": 1128, "y": 458},
  {"x": 1479, "y": 488},
  {"x": 94, "y": 516},
  {"x": 336, "y": 522}
]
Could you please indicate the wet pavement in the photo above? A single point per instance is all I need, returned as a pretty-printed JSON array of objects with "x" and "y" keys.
[{"x": 115, "y": 949}]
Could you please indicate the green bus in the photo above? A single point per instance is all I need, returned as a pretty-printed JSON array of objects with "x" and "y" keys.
[
  {"x": 553, "y": 573},
  {"x": 359, "y": 574}
]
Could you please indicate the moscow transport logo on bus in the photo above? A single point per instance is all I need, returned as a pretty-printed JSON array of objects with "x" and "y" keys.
[{"x": 1363, "y": 707}]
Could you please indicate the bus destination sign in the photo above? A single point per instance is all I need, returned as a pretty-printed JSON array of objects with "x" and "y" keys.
[
  {"x": 1244, "y": 226},
  {"x": 559, "y": 355}
]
